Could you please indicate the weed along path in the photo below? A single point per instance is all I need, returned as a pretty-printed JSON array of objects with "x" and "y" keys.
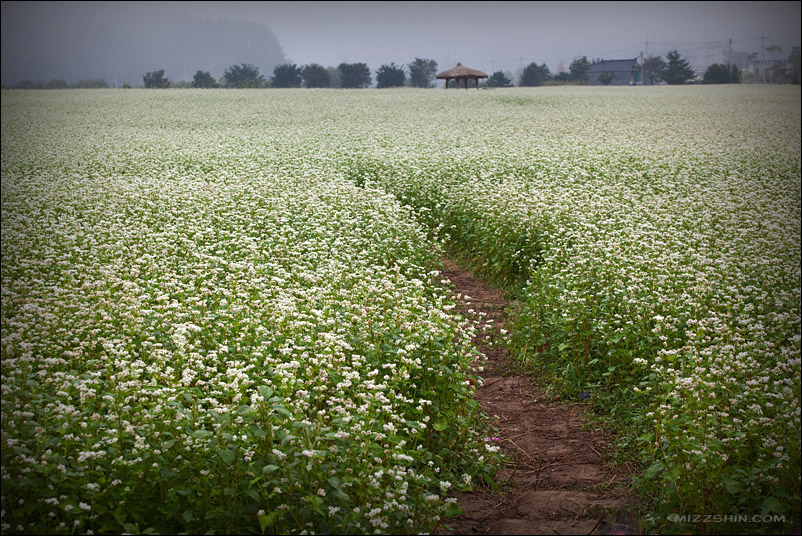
[{"x": 557, "y": 481}]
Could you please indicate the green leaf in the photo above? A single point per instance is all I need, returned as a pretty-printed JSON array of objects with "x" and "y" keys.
[
  {"x": 188, "y": 516},
  {"x": 281, "y": 410},
  {"x": 200, "y": 434},
  {"x": 228, "y": 456},
  {"x": 263, "y": 522},
  {"x": 771, "y": 504},
  {"x": 221, "y": 418},
  {"x": 267, "y": 469},
  {"x": 731, "y": 485},
  {"x": 440, "y": 425},
  {"x": 257, "y": 431},
  {"x": 120, "y": 515},
  {"x": 655, "y": 469},
  {"x": 454, "y": 510},
  {"x": 268, "y": 520}
]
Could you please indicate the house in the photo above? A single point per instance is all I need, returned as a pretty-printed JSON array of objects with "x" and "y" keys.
[
  {"x": 774, "y": 70},
  {"x": 615, "y": 73}
]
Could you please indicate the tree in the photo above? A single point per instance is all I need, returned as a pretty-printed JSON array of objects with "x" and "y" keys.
[
  {"x": 579, "y": 69},
  {"x": 354, "y": 75},
  {"x": 795, "y": 59},
  {"x": 653, "y": 67},
  {"x": 718, "y": 73},
  {"x": 204, "y": 79},
  {"x": 286, "y": 75},
  {"x": 315, "y": 75},
  {"x": 606, "y": 77},
  {"x": 242, "y": 76},
  {"x": 156, "y": 79},
  {"x": 93, "y": 83},
  {"x": 422, "y": 72},
  {"x": 735, "y": 74},
  {"x": 390, "y": 76},
  {"x": 57, "y": 83},
  {"x": 775, "y": 51},
  {"x": 29, "y": 84},
  {"x": 498, "y": 79},
  {"x": 677, "y": 71},
  {"x": 562, "y": 77},
  {"x": 534, "y": 75}
]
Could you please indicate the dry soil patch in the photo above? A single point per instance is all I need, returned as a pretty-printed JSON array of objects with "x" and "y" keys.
[{"x": 559, "y": 481}]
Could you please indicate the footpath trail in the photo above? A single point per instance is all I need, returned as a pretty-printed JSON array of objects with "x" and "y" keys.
[{"x": 558, "y": 481}]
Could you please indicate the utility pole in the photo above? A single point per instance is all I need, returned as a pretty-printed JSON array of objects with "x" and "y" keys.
[
  {"x": 647, "y": 48},
  {"x": 763, "y": 57},
  {"x": 729, "y": 62}
]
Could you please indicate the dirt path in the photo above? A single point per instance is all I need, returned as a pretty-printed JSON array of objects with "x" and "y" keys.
[{"x": 558, "y": 482}]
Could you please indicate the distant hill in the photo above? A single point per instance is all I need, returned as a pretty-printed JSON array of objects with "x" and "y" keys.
[{"x": 122, "y": 41}]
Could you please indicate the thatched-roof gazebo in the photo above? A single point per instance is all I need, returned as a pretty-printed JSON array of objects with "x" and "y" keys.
[{"x": 460, "y": 72}]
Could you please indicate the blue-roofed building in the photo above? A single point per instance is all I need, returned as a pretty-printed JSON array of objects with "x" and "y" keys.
[{"x": 615, "y": 73}]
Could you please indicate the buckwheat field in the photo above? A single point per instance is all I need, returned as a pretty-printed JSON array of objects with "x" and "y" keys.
[{"x": 222, "y": 309}]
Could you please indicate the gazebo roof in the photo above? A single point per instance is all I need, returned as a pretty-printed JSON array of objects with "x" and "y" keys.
[{"x": 460, "y": 71}]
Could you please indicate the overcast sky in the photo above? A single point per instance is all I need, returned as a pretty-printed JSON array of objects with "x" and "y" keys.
[{"x": 490, "y": 36}]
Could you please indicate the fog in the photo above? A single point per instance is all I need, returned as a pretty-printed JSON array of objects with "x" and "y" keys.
[{"x": 120, "y": 41}]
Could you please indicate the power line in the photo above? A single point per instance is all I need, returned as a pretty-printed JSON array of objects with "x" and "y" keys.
[{"x": 723, "y": 41}]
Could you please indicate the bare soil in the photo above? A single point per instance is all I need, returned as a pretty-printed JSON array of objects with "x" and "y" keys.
[{"x": 558, "y": 479}]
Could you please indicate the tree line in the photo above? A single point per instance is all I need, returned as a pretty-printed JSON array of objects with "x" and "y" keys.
[
  {"x": 59, "y": 83},
  {"x": 421, "y": 73},
  {"x": 676, "y": 70}
]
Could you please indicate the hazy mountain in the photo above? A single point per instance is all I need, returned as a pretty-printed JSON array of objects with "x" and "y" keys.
[{"x": 123, "y": 41}]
